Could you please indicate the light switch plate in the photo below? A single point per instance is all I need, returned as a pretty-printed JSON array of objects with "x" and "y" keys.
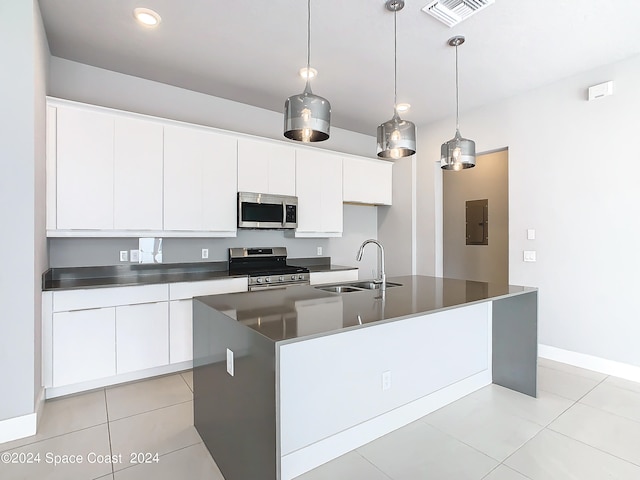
[
  {"x": 230, "y": 369},
  {"x": 134, "y": 255},
  {"x": 529, "y": 256}
]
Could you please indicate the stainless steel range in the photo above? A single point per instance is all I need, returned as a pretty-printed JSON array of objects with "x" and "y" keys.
[{"x": 266, "y": 268}]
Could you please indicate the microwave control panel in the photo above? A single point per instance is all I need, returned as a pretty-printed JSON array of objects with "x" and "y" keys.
[{"x": 291, "y": 214}]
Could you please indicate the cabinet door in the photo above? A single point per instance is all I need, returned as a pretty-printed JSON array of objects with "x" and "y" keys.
[
  {"x": 367, "y": 181},
  {"x": 265, "y": 167},
  {"x": 319, "y": 191},
  {"x": 84, "y": 345},
  {"x": 142, "y": 336},
  {"x": 84, "y": 170},
  {"x": 199, "y": 180},
  {"x": 180, "y": 331},
  {"x": 138, "y": 152}
]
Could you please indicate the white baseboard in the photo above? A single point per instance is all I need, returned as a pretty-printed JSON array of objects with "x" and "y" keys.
[
  {"x": 18, "y": 427},
  {"x": 301, "y": 461},
  {"x": 589, "y": 362}
]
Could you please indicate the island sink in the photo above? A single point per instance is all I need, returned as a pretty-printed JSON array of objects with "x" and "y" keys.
[{"x": 356, "y": 287}]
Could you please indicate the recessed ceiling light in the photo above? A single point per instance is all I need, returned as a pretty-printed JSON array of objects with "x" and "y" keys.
[
  {"x": 311, "y": 74},
  {"x": 146, "y": 17},
  {"x": 403, "y": 107}
]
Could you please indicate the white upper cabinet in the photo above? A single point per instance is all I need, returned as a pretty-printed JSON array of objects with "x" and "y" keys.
[
  {"x": 319, "y": 191},
  {"x": 200, "y": 180},
  {"x": 266, "y": 167},
  {"x": 137, "y": 171},
  {"x": 84, "y": 170},
  {"x": 367, "y": 181}
]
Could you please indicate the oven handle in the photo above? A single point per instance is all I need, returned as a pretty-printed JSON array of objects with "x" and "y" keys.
[{"x": 274, "y": 286}]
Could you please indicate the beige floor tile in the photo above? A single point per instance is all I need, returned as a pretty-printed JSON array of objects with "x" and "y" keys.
[
  {"x": 563, "y": 367},
  {"x": 610, "y": 433},
  {"x": 159, "y": 431},
  {"x": 504, "y": 473},
  {"x": 77, "y": 445},
  {"x": 564, "y": 384},
  {"x": 612, "y": 399},
  {"x": 65, "y": 415},
  {"x": 351, "y": 466},
  {"x": 552, "y": 456},
  {"x": 484, "y": 426},
  {"x": 188, "y": 377},
  {"x": 131, "y": 399},
  {"x": 622, "y": 383},
  {"x": 542, "y": 410},
  {"x": 191, "y": 463},
  {"x": 106, "y": 477},
  {"x": 419, "y": 451}
]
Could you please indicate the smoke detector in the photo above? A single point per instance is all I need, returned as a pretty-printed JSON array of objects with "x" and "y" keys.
[{"x": 452, "y": 12}]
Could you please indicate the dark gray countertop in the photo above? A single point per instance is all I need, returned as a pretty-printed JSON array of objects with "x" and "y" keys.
[
  {"x": 301, "y": 311},
  {"x": 71, "y": 278}
]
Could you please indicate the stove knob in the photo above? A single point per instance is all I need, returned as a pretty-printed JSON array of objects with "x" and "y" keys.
[
  {"x": 267, "y": 279},
  {"x": 281, "y": 279},
  {"x": 258, "y": 280},
  {"x": 293, "y": 277},
  {"x": 300, "y": 277}
]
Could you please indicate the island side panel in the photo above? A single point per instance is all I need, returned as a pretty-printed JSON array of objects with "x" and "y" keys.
[
  {"x": 234, "y": 415},
  {"x": 515, "y": 342}
]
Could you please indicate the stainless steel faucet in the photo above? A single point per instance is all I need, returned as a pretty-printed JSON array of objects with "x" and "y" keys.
[{"x": 383, "y": 277}]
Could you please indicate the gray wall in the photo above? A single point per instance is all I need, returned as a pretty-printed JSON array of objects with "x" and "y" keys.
[
  {"x": 360, "y": 223},
  {"x": 23, "y": 83},
  {"x": 573, "y": 178},
  {"x": 487, "y": 180},
  {"x": 396, "y": 224}
]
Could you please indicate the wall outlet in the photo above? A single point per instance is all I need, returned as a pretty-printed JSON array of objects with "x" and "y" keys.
[
  {"x": 531, "y": 234},
  {"x": 319, "y": 251},
  {"x": 230, "y": 369},
  {"x": 135, "y": 256},
  {"x": 529, "y": 256},
  {"x": 124, "y": 256},
  {"x": 386, "y": 380},
  {"x": 205, "y": 253}
]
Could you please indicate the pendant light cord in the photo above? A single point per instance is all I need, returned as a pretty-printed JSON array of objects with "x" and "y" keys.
[
  {"x": 457, "y": 100},
  {"x": 395, "y": 62},
  {"x": 308, "y": 38}
]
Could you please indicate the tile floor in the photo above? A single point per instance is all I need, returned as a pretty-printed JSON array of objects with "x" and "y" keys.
[{"x": 583, "y": 426}]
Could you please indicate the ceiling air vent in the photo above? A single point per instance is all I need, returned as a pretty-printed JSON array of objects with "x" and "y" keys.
[{"x": 452, "y": 12}]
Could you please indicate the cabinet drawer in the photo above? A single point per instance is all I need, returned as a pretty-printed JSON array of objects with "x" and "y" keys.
[
  {"x": 69, "y": 300},
  {"x": 187, "y": 290}
]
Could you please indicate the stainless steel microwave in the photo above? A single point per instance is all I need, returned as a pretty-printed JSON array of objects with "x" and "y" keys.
[{"x": 260, "y": 210}]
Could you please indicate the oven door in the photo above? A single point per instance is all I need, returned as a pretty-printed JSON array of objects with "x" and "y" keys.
[{"x": 257, "y": 210}]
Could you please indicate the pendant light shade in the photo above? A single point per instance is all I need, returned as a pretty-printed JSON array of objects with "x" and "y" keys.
[
  {"x": 307, "y": 117},
  {"x": 458, "y": 153},
  {"x": 396, "y": 137}
]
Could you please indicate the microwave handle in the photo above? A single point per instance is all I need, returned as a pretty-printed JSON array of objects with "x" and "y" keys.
[{"x": 284, "y": 213}]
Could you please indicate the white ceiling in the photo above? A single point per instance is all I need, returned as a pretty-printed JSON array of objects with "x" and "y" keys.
[{"x": 250, "y": 50}]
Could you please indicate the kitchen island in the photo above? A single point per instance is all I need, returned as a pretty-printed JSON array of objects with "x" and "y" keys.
[{"x": 288, "y": 379}]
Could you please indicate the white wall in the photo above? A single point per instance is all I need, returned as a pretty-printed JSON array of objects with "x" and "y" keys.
[
  {"x": 23, "y": 78},
  {"x": 573, "y": 176}
]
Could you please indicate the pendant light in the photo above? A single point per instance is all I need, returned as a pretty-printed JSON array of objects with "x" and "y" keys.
[
  {"x": 458, "y": 153},
  {"x": 307, "y": 117},
  {"x": 396, "y": 137}
]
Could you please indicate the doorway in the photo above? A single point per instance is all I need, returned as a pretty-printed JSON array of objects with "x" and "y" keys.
[{"x": 476, "y": 220}]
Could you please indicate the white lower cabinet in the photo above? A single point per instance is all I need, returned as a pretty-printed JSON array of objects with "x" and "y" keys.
[
  {"x": 180, "y": 331},
  {"x": 142, "y": 336},
  {"x": 84, "y": 345}
]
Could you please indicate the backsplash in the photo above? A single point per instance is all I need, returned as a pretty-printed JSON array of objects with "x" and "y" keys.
[{"x": 360, "y": 223}]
